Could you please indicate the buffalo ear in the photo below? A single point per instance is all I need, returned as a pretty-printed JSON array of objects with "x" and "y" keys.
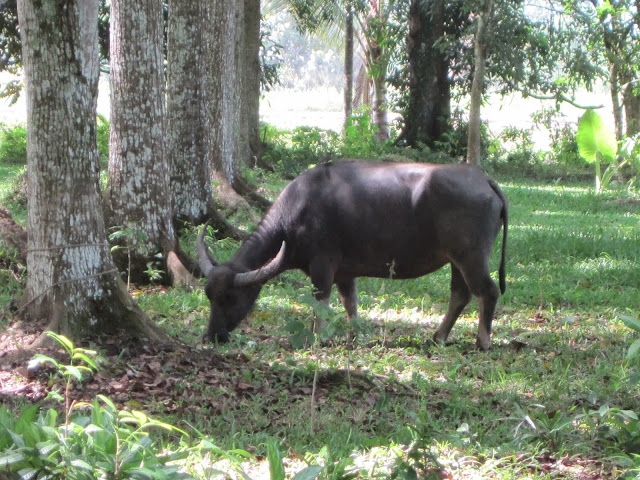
[
  {"x": 206, "y": 262},
  {"x": 263, "y": 273}
]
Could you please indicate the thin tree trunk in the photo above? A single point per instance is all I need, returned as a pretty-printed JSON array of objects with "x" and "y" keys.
[
  {"x": 380, "y": 117},
  {"x": 252, "y": 76},
  {"x": 348, "y": 64},
  {"x": 614, "y": 89},
  {"x": 632, "y": 108},
  {"x": 474, "y": 147},
  {"x": 138, "y": 206},
  {"x": 72, "y": 281}
]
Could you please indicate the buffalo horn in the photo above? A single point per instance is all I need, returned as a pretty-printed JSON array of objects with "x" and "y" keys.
[
  {"x": 205, "y": 260},
  {"x": 263, "y": 273}
]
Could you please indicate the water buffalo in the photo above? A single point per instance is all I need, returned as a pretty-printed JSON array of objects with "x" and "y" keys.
[{"x": 344, "y": 220}]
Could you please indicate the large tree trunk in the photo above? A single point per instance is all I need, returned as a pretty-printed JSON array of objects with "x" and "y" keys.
[
  {"x": 192, "y": 196},
  {"x": 429, "y": 109},
  {"x": 474, "y": 144},
  {"x": 71, "y": 280},
  {"x": 138, "y": 206},
  {"x": 187, "y": 147},
  {"x": 221, "y": 74},
  {"x": 223, "y": 103}
]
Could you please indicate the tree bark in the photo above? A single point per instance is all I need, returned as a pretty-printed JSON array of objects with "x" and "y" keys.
[
  {"x": 474, "y": 143},
  {"x": 192, "y": 195},
  {"x": 224, "y": 99},
  {"x": 72, "y": 281},
  {"x": 249, "y": 88},
  {"x": 377, "y": 61},
  {"x": 221, "y": 72},
  {"x": 348, "y": 63},
  {"x": 429, "y": 108},
  {"x": 632, "y": 108},
  {"x": 138, "y": 206}
]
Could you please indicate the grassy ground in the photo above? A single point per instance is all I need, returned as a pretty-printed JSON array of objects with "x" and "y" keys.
[{"x": 553, "y": 398}]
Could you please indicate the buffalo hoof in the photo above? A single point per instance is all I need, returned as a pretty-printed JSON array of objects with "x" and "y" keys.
[{"x": 221, "y": 337}]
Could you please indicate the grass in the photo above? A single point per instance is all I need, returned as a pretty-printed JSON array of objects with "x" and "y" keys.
[{"x": 537, "y": 405}]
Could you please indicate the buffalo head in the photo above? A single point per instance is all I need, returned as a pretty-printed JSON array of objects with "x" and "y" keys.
[{"x": 232, "y": 288}]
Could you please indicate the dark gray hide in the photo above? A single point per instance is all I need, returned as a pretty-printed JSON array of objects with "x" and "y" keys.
[{"x": 346, "y": 220}]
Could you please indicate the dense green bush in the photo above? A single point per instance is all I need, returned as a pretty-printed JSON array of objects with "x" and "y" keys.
[{"x": 13, "y": 144}]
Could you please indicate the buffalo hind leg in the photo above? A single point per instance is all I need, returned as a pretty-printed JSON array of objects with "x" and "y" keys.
[
  {"x": 476, "y": 274},
  {"x": 460, "y": 297},
  {"x": 349, "y": 296},
  {"x": 487, "y": 307}
]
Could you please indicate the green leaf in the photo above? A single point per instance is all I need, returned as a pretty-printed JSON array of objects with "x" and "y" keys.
[
  {"x": 72, "y": 370},
  {"x": 634, "y": 349},
  {"x": 632, "y": 322},
  {"x": 594, "y": 138},
  {"x": 276, "y": 467},
  {"x": 310, "y": 473},
  {"x": 11, "y": 459},
  {"x": 62, "y": 340},
  {"x": 82, "y": 465}
]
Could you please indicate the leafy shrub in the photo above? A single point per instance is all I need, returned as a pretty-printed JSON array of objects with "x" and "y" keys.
[
  {"x": 359, "y": 139},
  {"x": 513, "y": 150},
  {"x": 565, "y": 147},
  {"x": 93, "y": 440},
  {"x": 103, "y": 140},
  {"x": 291, "y": 153},
  {"x": 13, "y": 144}
]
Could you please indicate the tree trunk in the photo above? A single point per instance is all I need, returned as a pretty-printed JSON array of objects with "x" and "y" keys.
[
  {"x": 250, "y": 85},
  {"x": 223, "y": 101},
  {"x": 192, "y": 196},
  {"x": 138, "y": 206},
  {"x": 429, "y": 109},
  {"x": 474, "y": 144},
  {"x": 614, "y": 89},
  {"x": 221, "y": 74},
  {"x": 348, "y": 63},
  {"x": 187, "y": 147},
  {"x": 380, "y": 117},
  {"x": 71, "y": 280},
  {"x": 377, "y": 60},
  {"x": 632, "y": 108}
]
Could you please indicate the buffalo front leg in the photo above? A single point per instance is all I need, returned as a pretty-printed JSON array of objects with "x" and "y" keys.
[
  {"x": 321, "y": 273},
  {"x": 460, "y": 297}
]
